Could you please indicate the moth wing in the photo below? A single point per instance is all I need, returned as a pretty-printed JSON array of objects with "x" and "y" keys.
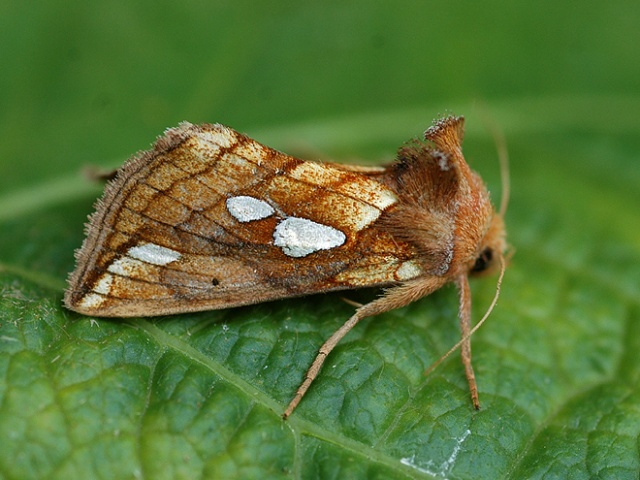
[{"x": 212, "y": 219}]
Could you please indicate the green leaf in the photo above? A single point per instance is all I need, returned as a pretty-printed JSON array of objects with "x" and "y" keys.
[{"x": 200, "y": 395}]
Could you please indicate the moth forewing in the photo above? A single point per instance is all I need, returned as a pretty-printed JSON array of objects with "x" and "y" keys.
[{"x": 210, "y": 218}]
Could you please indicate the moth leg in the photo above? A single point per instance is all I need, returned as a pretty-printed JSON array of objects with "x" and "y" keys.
[
  {"x": 393, "y": 298},
  {"x": 315, "y": 367},
  {"x": 464, "y": 314}
]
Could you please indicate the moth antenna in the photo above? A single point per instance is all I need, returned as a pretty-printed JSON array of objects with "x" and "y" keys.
[
  {"x": 503, "y": 157},
  {"x": 479, "y": 324}
]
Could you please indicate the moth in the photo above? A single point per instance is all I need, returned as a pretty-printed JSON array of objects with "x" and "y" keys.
[{"x": 210, "y": 219}]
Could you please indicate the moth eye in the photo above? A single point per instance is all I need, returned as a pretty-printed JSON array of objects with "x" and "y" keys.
[
  {"x": 215, "y": 282},
  {"x": 483, "y": 261}
]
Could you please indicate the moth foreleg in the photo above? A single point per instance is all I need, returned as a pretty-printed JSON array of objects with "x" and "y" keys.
[
  {"x": 464, "y": 313},
  {"x": 315, "y": 367}
]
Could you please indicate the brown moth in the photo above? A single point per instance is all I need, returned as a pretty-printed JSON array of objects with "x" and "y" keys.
[{"x": 210, "y": 219}]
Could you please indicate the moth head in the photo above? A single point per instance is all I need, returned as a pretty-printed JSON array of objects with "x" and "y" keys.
[{"x": 492, "y": 249}]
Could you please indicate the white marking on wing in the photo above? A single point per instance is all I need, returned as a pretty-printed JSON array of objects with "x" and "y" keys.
[
  {"x": 127, "y": 267},
  {"x": 408, "y": 270},
  {"x": 364, "y": 216},
  {"x": 247, "y": 209},
  {"x": 154, "y": 254},
  {"x": 102, "y": 289},
  {"x": 91, "y": 300},
  {"x": 103, "y": 285},
  {"x": 381, "y": 270},
  {"x": 298, "y": 237}
]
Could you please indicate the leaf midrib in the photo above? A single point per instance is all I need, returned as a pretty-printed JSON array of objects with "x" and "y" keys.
[{"x": 298, "y": 425}]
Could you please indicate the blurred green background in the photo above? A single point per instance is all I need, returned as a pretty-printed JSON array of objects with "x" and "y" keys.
[
  {"x": 93, "y": 81},
  {"x": 198, "y": 396}
]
